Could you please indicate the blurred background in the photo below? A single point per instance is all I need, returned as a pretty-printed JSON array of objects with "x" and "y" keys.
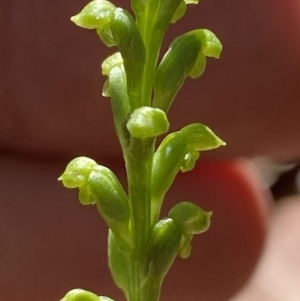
[{"x": 51, "y": 110}]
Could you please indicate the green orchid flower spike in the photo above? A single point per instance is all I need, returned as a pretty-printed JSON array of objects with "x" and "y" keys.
[{"x": 141, "y": 244}]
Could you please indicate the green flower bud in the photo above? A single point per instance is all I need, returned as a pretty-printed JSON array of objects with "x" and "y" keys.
[
  {"x": 99, "y": 185},
  {"x": 116, "y": 88},
  {"x": 80, "y": 295},
  {"x": 199, "y": 137},
  {"x": 109, "y": 193},
  {"x": 112, "y": 203},
  {"x": 77, "y": 172},
  {"x": 163, "y": 246},
  {"x": 119, "y": 103},
  {"x": 185, "y": 57},
  {"x": 147, "y": 122},
  {"x": 190, "y": 218},
  {"x": 96, "y": 14},
  {"x": 167, "y": 161},
  {"x": 173, "y": 69},
  {"x": 130, "y": 44},
  {"x": 116, "y": 27},
  {"x": 117, "y": 260}
]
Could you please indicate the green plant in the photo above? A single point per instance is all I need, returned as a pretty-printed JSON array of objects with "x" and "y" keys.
[{"x": 141, "y": 246}]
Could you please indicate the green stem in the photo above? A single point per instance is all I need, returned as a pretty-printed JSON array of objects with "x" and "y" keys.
[
  {"x": 134, "y": 282},
  {"x": 139, "y": 159}
]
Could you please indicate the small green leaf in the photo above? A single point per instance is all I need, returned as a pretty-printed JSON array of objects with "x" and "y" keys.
[
  {"x": 96, "y": 14},
  {"x": 201, "y": 138},
  {"x": 147, "y": 122},
  {"x": 77, "y": 172}
]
